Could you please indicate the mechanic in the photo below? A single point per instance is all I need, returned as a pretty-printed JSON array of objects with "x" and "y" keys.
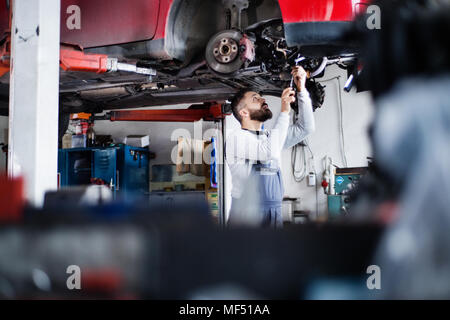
[{"x": 253, "y": 154}]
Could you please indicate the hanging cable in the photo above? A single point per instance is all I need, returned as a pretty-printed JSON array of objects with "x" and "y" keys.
[
  {"x": 341, "y": 119},
  {"x": 298, "y": 161},
  {"x": 299, "y": 173},
  {"x": 313, "y": 169}
]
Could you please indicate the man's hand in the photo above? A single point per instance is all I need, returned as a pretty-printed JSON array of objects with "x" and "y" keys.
[
  {"x": 287, "y": 98},
  {"x": 299, "y": 75}
]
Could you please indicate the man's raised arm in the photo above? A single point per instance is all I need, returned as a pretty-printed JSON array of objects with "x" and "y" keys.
[{"x": 305, "y": 124}]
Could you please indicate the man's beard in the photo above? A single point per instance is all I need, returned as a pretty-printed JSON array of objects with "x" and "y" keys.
[{"x": 261, "y": 115}]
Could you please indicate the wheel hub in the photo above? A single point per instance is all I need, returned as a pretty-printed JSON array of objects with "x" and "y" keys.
[
  {"x": 223, "y": 52},
  {"x": 226, "y": 50}
]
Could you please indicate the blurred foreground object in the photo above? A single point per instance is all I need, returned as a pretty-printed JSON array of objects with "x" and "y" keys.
[
  {"x": 162, "y": 255},
  {"x": 412, "y": 146},
  {"x": 12, "y": 199},
  {"x": 407, "y": 67},
  {"x": 78, "y": 196},
  {"x": 130, "y": 248},
  {"x": 413, "y": 40}
]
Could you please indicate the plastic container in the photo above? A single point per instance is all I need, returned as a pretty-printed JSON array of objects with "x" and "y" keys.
[{"x": 79, "y": 141}]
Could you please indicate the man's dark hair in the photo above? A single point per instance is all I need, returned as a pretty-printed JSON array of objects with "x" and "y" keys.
[{"x": 236, "y": 100}]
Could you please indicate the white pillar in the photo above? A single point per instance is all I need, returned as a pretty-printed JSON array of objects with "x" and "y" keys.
[{"x": 33, "y": 98}]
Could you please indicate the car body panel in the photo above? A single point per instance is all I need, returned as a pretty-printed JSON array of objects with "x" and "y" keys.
[
  {"x": 163, "y": 19},
  {"x": 298, "y": 11},
  {"x": 4, "y": 17},
  {"x": 317, "y": 22},
  {"x": 108, "y": 22}
]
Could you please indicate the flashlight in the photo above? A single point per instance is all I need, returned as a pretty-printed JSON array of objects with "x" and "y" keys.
[{"x": 296, "y": 63}]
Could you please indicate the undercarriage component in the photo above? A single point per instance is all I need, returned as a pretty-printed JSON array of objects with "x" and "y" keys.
[
  {"x": 227, "y": 52},
  {"x": 75, "y": 60},
  {"x": 222, "y": 52},
  {"x": 114, "y": 65},
  {"x": 317, "y": 93},
  {"x": 235, "y": 7},
  {"x": 253, "y": 57},
  {"x": 104, "y": 93},
  {"x": 320, "y": 69},
  {"x": 247, "y": 49},
  {"x": 192, "y": 114}
]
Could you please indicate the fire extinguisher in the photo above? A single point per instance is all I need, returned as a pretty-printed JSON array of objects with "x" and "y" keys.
[{"x": 328, "y": 177}]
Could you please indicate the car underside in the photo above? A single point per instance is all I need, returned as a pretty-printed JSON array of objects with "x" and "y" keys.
[{"x": 206, "y": 56}]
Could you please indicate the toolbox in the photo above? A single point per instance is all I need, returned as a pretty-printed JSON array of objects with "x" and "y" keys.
[{"x": 122, "y": 168}]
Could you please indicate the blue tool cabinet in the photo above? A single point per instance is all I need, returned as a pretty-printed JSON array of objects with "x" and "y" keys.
[
  {"x": 125, "y": 167},
  {"x": 133, "y": 169}
]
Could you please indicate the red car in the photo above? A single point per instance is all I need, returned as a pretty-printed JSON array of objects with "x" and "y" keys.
[{"x": 186, "y": 51}]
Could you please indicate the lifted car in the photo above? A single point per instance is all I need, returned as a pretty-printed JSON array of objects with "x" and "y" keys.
[{"x": 178, "y": 51}]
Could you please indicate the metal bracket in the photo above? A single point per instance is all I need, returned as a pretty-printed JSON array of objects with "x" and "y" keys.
[
  {"x": 226, "y": 109},
  {"x": 235, "y": 7},
  {"x": 76, "y": 60},
  {"x": 113, "y": 65}
]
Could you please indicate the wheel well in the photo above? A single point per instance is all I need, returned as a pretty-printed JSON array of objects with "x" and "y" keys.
[{"x": 192, "y": 23}]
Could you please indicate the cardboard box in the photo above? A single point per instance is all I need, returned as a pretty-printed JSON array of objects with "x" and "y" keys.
[
  {"x": 67, "y": 141},
  {"x": 190, "y": 157},
  {"x": 138, "y": 141},
  {"x": 183, "y": 152}
]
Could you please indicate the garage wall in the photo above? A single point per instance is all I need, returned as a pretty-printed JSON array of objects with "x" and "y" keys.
[{"x": 357, "y": 115}]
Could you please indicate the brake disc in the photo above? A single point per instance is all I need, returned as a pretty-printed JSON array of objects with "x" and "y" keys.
[{"x": 223, "y": 52}]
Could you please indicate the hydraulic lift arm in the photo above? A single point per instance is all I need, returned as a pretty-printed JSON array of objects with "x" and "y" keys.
[
  {"x": 76, "y": 60},
  {"x": 73, "y": 59},
  {"x": 207, "y": 112}
]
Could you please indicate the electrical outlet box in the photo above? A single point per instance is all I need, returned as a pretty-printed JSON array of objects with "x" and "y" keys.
[{"x": 311, "y": 179}]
